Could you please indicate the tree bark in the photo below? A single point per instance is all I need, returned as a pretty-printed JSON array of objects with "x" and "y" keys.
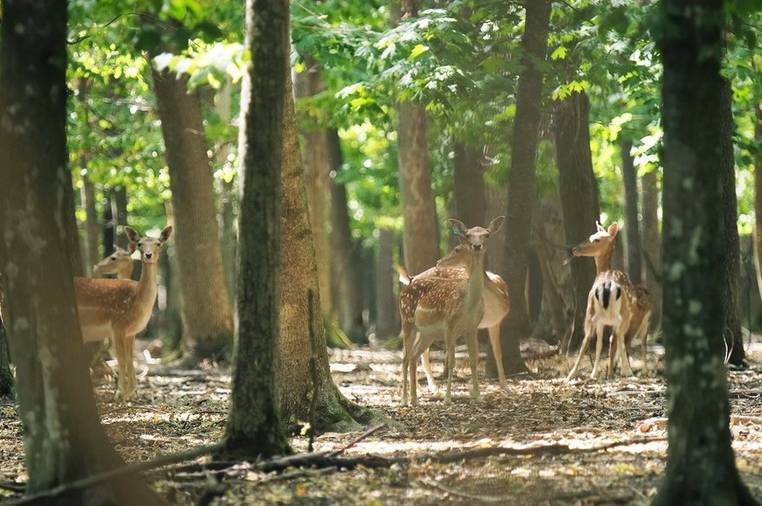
[
  {"x": 468, "y": 182},
  {"x": 695, "y": 110},
  {"x": 631, "y": 228},
  {"x": 119, "y": 213},
  {"x": 317, "y": 168},
  {"x": 302, "y": 341},
  {"x": 579, "y": 195},
  {"x": 207, "y": 310},
  {"x": 758, "y": 197},
  {"x": 63, "y": 440},
  {"x": 228, "y": 195},
  {"x": 652, "y": 242},
  {"x": 254, "y": 422},
  {"x": 344, "y": 266},
  {"x": 521, "y": 185},
  {"x": 109, "y": 234},
  {"x": 92, "y": 225},
  {"x": 387, "y": 312}
]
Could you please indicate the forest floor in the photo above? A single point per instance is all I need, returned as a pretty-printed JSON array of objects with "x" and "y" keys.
[{"x": 178, "y": 410}]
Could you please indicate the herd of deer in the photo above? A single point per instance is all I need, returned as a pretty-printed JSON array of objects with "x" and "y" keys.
[
  {"x": 457, "y": 297},
  {"x": 453, "y": 299}
]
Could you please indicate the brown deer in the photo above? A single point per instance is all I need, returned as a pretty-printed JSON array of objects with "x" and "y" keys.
[
  {"x": 120, "y": 308},
  {"x": 119, "y": 263},
  {"x": 613, "y": 301},
  {"x": 496, "y": 306},
  {"x": 446, "y": 307}
]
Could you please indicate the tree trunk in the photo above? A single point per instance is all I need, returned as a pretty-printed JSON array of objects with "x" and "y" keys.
[
  {"x": 254, "y": 423},
  {"x": 700, "y": 462},
  {"x": 6, "y": 376},
  {"x": 631, "y": 227},
  {"x": 63, "y": 440},
  {"x": 652, "y": 241},
  {"x": 758, "y": 197},
  {"x": 92, "y": 225},
  {"x": 521, "y": 185},
  {"x": 470, "y": 197},
  {"x": 732, "y": 269},
  {"x": 579, "y": 195},
  {"x": 228, "y": 195},
  {"x": 344, "y": 266},
  {"x": 207, "y": 310},
  {"x": 302, "y": 341},
  {"x": 119, "y": 212},
  {"x": 317, "y": 168},
  {"x": 387, "y": 312},
  {"x": 109, "y": 235}
]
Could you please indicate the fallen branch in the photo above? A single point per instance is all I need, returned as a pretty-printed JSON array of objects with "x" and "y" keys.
[
  {"x": 464, "y": 495},
  {"x": 99, "y": 478},
  {"x": 362, "y": 436}
]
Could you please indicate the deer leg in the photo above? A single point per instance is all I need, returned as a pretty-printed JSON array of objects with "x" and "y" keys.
[
  {"x": 450, "y": 363},
  {"x": 473, "y": 357},
  {"x": 612, "y": 355},
  {"x": 426, "y": 363},
  {"x": 644, "y": 332},
  {"x": 624, "y": 359},
  {"x": 121, "y": 360},
  {"x": 582, "y": 350},
  {"x": 422, "y": 342},
  {"x": 598, "y": 350},
  {"x": 497, "y": 351},
  {"x": 407, "y": 348}
]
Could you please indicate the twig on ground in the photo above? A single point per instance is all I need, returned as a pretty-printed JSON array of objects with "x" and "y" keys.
[
  {"x": 362, "y": 436},
  {"x": 458, "y": 493}
]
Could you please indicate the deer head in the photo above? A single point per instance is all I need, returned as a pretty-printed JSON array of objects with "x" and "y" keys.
[
  {"x": 149, "y": 247},
  {"x": 475, "y": 239},
  {"x": 117, "y": 262},
  {"x": 598, "y": 243}
]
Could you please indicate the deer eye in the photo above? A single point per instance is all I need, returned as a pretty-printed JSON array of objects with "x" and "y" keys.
[{"x": 113, "y": 258}]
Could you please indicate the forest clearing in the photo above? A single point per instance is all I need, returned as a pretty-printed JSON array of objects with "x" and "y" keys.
[{"x": 379, "y": 252}]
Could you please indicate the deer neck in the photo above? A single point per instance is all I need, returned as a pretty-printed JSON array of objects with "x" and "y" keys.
[
  {"x": 603, "y": 261},
  {"x": 147, "y": 286},
  {"x": 127, "y": 272},
  {"x": 476, "y": 278}
]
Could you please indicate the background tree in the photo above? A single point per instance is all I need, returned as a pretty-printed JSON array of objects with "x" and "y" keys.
[
  {"x": 631, "y": 224},
  {"x": 700, "y": 465},
  {"x": 63, "y": 439},
  {"x": 253, "y": 427}
]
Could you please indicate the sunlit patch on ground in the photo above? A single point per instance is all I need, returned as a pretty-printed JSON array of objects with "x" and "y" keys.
[{"x": 178, "y": 410}]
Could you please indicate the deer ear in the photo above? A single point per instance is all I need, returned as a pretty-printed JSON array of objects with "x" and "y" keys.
[
  {"x": 458, "y": 228},
  {"x": 132, "y": 234},
  {"x": 495, "y": 224},
  {"x": 613, "y": 229},
  {"x": 164, "y": 237}
]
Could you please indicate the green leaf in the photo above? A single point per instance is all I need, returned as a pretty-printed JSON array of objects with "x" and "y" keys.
[{"x": 417, "y": 51}]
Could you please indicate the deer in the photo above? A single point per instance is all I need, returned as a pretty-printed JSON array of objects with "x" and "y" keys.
[
  {"x": 119, "y": 263},
  {"x": 120, "y": 308},
  {"x": 496, "y": 306},
  {"x": 446, "y": 307},
  {"x": 613, "y": 301}
]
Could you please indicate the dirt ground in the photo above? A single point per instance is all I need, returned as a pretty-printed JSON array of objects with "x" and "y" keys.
[{"x": 178, "y": 410}]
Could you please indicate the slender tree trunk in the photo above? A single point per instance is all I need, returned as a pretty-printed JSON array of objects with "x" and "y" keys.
[
  {"x": 92, "y": 225},
  {"x": 387, "y": 321},
  {"x": 317, "y": 168},
  {"x": 344, "y": 266},
  {"x": 119, "y": 212},
  {"x": 579, "y": 195},
  {"x": 758, "y": 197},
  {"x": 207, "y": 310},
  {"x": 228, "y": 196},
  {"x": 652, "y": 241},
  {"x": 732, "y": 271},
  {"x": 470, "y": 197},
  {"x": 521, "y": 186},
  {"x": 63, "y": 440},
  {"x": 254, "y": 422},
  {"x": 109, "y": 235},
  {"x": 302, "y": 341},
  {"x": 631, "y": 228},
  {"x": 700, "y": 462}
]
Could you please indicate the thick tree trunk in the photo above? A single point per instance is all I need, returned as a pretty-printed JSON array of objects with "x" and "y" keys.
[
  {"x": 579, "y": 195},
  {"x": 344, "y": 266},
  {"x": 303, "y": 353},
  {"x": 387, "y": 312},
  {"x": 92, "y": 225},
  {"x": 254, "y": 422},
  {"x": 652, "y": 241},
  {"x": 732, "y": 269},
  {"x": 521, "y": 185},
  {"x": 207, "y": 310},
  {"x": 317, "y": 168},
  {"x": 63, "y": 440},
  {"x": 470, "y": 197},
  {"x": 700, "y": 462},
  {"x": 631, "y": 228}
]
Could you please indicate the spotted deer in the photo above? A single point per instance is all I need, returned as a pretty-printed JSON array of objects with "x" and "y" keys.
[
  {"x": 613, "y": 301},
  {"x": 496, "y": 306},
  {"x": 446, "y": 307},
  {"x": 120, "y": 308},
  {"x": 119, "y": 263}
]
